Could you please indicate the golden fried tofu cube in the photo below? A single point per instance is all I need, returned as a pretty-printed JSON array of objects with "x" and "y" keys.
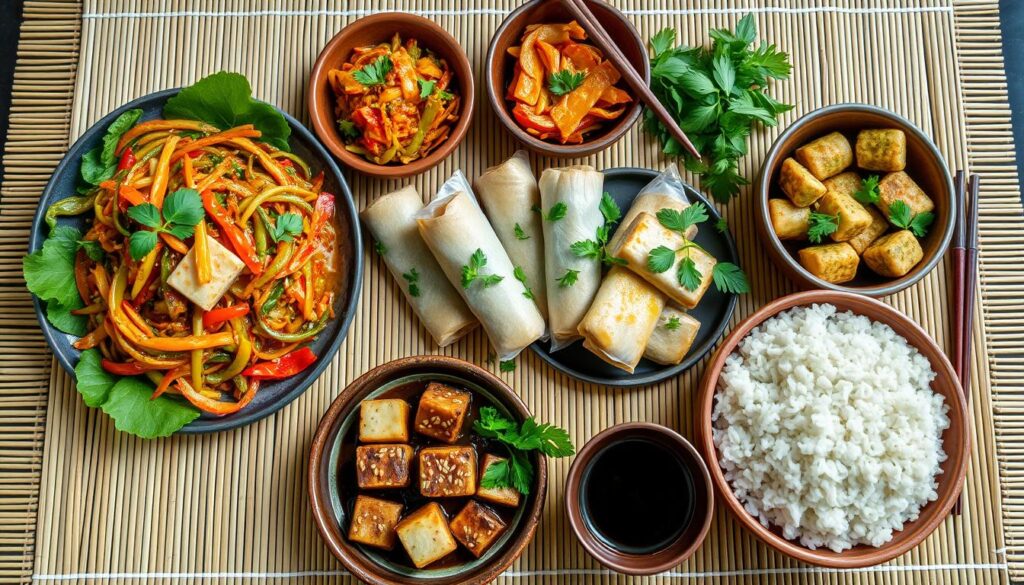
[
  {"x": 899, "y": 186},
  {"x": 373, "y": 522},
  {"x": 383, "y": 466},
  {"x": 447, "y": 472},
  {"x": 834, "y": 263},
  {"x": 894, "y": 255},
  {"x": 882, "y": 150},
  {"x": 879, "y": 225},
  {"x": 505, "y": 496},
  {"x": 789, "y": 221},
  {"x": 827, "y": 156},
  {"x": 441, "y": 411},
  {"x": 477, "y": 527},
  {"x": 847, "y": 183},
  {"x": 672, "y": 337},
  {"x": 384, "y": 421},
  {"x": 425, "y": 536},
  {"x": 853, "y": 218},
  {"x": 799, "y": 184}
]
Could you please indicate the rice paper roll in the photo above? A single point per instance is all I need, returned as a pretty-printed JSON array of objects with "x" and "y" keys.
[
  {"x": 392, "y": 223},
  {"x": 622, "y": 318},
  {"x": 509, "y": 195},
  {"x": 672, "y": 337},
  {"x": 571, "y": 281},
  {"x": 666, "y": 191},
  {"x": 464, "y": 244}
]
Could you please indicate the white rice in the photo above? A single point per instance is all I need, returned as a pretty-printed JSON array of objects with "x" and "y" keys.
[{"x": 827, "y": 427}]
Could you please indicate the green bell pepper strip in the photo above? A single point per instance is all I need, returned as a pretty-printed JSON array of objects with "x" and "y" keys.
[
  {"x": 298, "y": 336},
  {"x": 426, "y": 121},
  {"x": 242, "y": 355},
  {"x": 74, "y": 205}
]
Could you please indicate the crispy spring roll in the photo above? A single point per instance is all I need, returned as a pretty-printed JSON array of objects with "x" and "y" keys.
[
  {"x": 466, "y": 246},
  {"x": 509, "y": 194},
  {"x": 672, "y": 337},
  {"x": 666, "y": 191},
  {"x": 570, "y": 201},
  {"x": 438, "y": 306},
  {"x": 621, "y": 318}
]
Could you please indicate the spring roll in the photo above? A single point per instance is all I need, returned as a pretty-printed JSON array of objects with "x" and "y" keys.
[
  {"x": 672, "y": 337},
  {"x": 472, "y": 258},
  {"x": 436, "y": 303},
  {"x": 571, "y": 281},
  {"x": 621, "y": 319},
  {"x": 509, "y": 195},
  {"x": 666, "y": 191}
]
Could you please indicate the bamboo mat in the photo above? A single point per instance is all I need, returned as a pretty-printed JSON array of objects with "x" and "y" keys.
[{"x": 80, "y": 502}]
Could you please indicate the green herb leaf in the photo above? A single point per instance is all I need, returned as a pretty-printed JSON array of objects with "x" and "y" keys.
[
  {"x": 61, "y": 317},
  {"x": 569, "y": 278},
  {"x": 662, "y": 41},
  {"x": 141, "y": 243},
  {"x": 520, "y": 275},
  {"x": 426, "y": 87},
  {"x": 471, "y": 271},
  {"x": 50, "y": 271},
  {"x": 722, "y": 225},
  {"x": 673, "y": 323},
  {"x": 868, "y": 192},
  {"x": 374, "y": 73},
  {"x": 93, "y": 382},
  {"x": 348, "y": 129},
  {"x": 133, "y": 411},
  {"x": 609, "y": 208},
  {"x": 680, "y": 221},
  {"x": 183, "y": 207},
  {"x": 520, "y": 439},
  {"x": 730, "y": 278},
  {"x": 520, "y": 233},
  {"x": 688, "y": 275},
  {"x": 661, "y": 259},
  {"x": 557, "y": 212},
  {"x": 724, "y": 73},
  {"x": 93, "y": 249},
  {"x": 146, "y": 214},
  {"x": 100, "y": 163},
  {"x": 380, "y": 248},
  {"x": 920, "y": 224},
  {"x": 286, "y": 227},
  {"x": 586, "y": 249},
  {"x": 413, "y": 278},
  {"x": 564, "y": 81},
  {"x": 900, "y": 214},
  {"x": 507, "y": 366},
  {"x": 821, "y": 225}
]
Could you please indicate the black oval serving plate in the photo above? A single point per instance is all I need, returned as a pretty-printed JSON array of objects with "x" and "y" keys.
[
  {"x": 272, "y": 396},
  {"x": 714, "y": 311}
]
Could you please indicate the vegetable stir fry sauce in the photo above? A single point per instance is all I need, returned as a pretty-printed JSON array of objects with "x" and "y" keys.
[
  {"x": 208, "y": 264},
  {"x": 563, "y": 89},
  {"x": 395, "y": 102}
]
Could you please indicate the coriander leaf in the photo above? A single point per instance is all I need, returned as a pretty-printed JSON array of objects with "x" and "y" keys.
[
  {"x": 564, "y": 81},
  {"x": 568, "y": 279},
  {"x": 557, "y": 212},
  {"x": 507, "y": 366},
  {"x": 141, "y": 243},
  {"x": 380, "y": 248},
  {"x": 662, "y": 41},
  {"x": 520, "y": 275},
  {"x": 700, "y": 118},
  {"x": 413, "y": 278},
  {"x": 492, "y": 422},
  {"x": 821, "y": 225},
  {"x": 286, "y": 227},
  {"x": 689, "y": 277},
  {"x": 673, "y": 323},
  {"x": 920, "y": 223},
  {"x": 609, "y": 208},
  {"x": 444, "y": 95},
  {"x": 722, "y": 225},
  {"x": 522, "y": 472},
  {"x": 497, "y": 475},
  {"x": 900, "y": 214},
  {"x": 426, "y": 87},
  {"x": 471, "y": 271},
  {"x": 225, "y": 100},
  {"x": 93, "y": 382},
  {"x": 520, "y": 439},
  {"x": 724, "y": 73},
  {"x": 680, "y": 221},
  {"x": 868, "y": 192},
  {"x": 146, "y": 214},
  {"x": 50, "y": 271},
  {"x": 60, "y": 316},
  {"x": 743, "y": 104},
  {"x": 730, "y": 278},
  {"x": 181, "y": 232},
  {"x": 671, "y": 67},
  {"x": 183, "y": 207},
  {"x": 661, "y": 259},
  {"x": 348, "y": 129},
  {"x": 586, "y": 249},
  {"x": 491, "y": 279},
  {"x": 134, "y": 412},
  {"x": 548, "y": 439},
  {"x": 374, "y": 73},
  {"x": 520, "y": 233},
  {"x": 745, "y": 29}
]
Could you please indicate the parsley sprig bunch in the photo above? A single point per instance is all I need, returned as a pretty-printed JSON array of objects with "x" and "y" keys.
[
  {"x": 727, "y": 276},
  {"x": 517, "y": 471},
  {"x": 182, "y": 210},
  {"x": 903, "y": 217}
]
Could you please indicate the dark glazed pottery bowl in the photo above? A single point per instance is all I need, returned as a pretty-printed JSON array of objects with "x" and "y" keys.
[
  {"x": 924, "y": 164},
  {"x": 498, "y": 70}
]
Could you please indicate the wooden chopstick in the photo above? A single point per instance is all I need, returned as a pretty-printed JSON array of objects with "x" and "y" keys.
[
  {"x": 965, "y": 274},
  {"x": 587, "y": 20}
]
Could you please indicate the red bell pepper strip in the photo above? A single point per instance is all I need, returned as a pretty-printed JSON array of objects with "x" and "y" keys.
[
  {"x": 124, "y": 368},
  {"x": 245, "y": 249},
  {"x": 529, "y": 119},
  {"x": 127, "y": 160},
  {"x": 212, "y": 405},
  {"x": 283, "y": 367},
  {"x": 213, "y": 318},
  {"x": 322, "y": 212}
]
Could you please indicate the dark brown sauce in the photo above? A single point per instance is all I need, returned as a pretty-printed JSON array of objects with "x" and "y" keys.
[
  {"x": 637, "y": 496},
  {"x": 410, "y": 497}
]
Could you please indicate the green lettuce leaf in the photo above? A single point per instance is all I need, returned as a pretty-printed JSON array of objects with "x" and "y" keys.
[
  {"x": 100, "y": 163},
  {"x": 133, "y": 411},
  {"x": 50, "y": 271},
  {"x": 94, "y": 383},
  {"x": 60, "y": 317}
]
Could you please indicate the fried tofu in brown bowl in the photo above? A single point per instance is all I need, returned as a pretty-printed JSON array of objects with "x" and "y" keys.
[{"x": 855, "y": 198}]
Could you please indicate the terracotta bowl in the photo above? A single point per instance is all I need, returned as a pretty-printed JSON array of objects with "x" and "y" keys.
[
  {"x": 498, "y": 69},
  {"x": 374, "y": 29},
  {"x": 325, "y": 491},
  {"x": 955, "y": 440},
  {"x": 924, "y": 164},
  {"x": 685, "y": 544}
]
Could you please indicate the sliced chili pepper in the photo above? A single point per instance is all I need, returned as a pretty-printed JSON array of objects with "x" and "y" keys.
[
  {"x": 283, "y": 367},
  {"x": 212, "y": 405},
  {"x": 213, "y": 318},
  {"x": 239, "y": 240},
  {"x": 123, "y": 368},
  {"x": 127, "y": 160}
]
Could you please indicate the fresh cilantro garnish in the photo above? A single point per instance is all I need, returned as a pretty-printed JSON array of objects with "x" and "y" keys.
[
  {"x": 520, "y": 233},
  {"x": 821, "y": 225},
  {"x": 688, "y": 275},
  {"x": 426, "y": 87},
  {"x": 902, "y": 217},
  {"x": 730, "y": 278},
  {"x": 286, "y": 227},
  {"x": 868, "y": 192},
  {"x": 471, "y": 271},
  {"x": 182, "y": 210},
  {"x": 557, "y": 212},
  {"x": 50, "y": 275},
  {"x": 680, "y": 221},
  {"x": 586, "y": 249},
  {"x": 673, "y": 323},
  {"x": 374, "y": 73},
  {"x": 444, "y": 95},
  {"x": 564, "y": 81},
  {"x": 661, "y": 259},
  {"x": 595, "y": 249},
  {"x": 517, "y": 471},
  {"x": 520, "y": 275},
  {"x": 413, "y": 278},
  {"x": 609, "y": 208},
  {"x": 569, "y": 278},
  {"x": 722, "y": 225},
  {"x": 507, "y": 365},
  {"x": 380, "y": 248},
  {"x": 348, "y": 129}
]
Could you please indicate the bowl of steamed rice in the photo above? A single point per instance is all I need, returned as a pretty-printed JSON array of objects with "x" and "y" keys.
[{"x": 838, "y": 426}]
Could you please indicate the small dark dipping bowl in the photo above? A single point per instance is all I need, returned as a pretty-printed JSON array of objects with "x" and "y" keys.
[
  {"x": 331, "y": 465},
  {"x": 499, "y": 65},
  {"x": 924, "y": 164},
  {"x": 609, "y": 483}
]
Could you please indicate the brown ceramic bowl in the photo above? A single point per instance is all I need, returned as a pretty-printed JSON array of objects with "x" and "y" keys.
[
  {"x": 924, "y": 164},
  {"x": 678, "y": 550},
  {"x": 955, "y": 440},
  {"x": 330, "y": 503},
  {"x": 374, "y": 29},
  {"x": 498, "y": 70}
]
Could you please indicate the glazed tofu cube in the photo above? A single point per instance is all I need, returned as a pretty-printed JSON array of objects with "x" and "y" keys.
[
  {"x": 846, "y": 183},
  {"x": 882, "y": 150},
  {"x": 853, "y": 218},
  {"x": 834, "y": 263},
  {"x": 224, "y": 269},
  {"x": 799, "y": 184},
  {"x": 447, "y": 472},
  {"x": 789, "y": 221},
  {"x": 899, "y": 186},
  {"x": 879, "y": 225},
  {"x": 505, "y": 496},
  {"x": 384, "y": 421},
  {"x": 373, "y": 522},
  {"x": 477, "y": 527},
  {"x": 827, "y": 156},
  {"x": 441, "y": 411},
  {"x": 425, "y": 536},
  {"x": 383, "y": 466},
  {"x": 672, "y": 337},
  {"x": 894, "y": 255}
]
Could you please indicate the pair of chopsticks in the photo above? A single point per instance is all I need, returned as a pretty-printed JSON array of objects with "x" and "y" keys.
[
  {"x": 588, "y": 21},
  {"x": 965, "y": 274}
]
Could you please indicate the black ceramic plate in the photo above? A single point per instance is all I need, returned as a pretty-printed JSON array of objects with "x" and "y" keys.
[
  {"x": 272, "y": 396},
  {"x": 714, "y": 311}
]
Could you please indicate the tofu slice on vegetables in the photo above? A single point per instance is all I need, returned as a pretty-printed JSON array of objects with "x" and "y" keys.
[
  {"x": 224, "y": 269},
  {"x": 834, "y": 263},
  {"x": 826, "y": 156},
  {"x": 894, "y": 255},
  {"x": 425, "y": 536}
]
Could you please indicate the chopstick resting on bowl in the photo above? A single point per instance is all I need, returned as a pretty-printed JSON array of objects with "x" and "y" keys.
[{"x": 587, "y": 20}]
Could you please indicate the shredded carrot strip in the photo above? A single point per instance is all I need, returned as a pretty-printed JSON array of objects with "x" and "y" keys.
[
  {"x": 202, "y": 247},
  {"x": 153, "y": 125},
  {"x": 163, "y": 172},
  {"x": 246, "y": 131}
]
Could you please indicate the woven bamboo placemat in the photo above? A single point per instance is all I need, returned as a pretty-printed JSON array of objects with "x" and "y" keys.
[{"x": 81, "y": 502}]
